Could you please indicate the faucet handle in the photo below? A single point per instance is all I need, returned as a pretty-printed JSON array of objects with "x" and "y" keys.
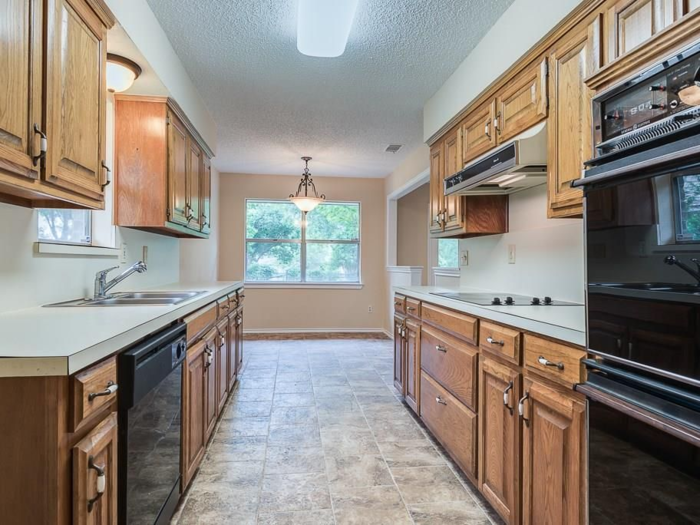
[
  {"x": 670, "y": 260},
  {"x": 103, "y": 273},
  {"x": 697, "y": 262}
]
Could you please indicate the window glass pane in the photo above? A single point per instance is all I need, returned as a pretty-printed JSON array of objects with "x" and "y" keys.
[
  {"x": 272, "y": 220},
  {"x": 332, "y": 263},
  {"x": 333, "y": 222},
  {"x": 688, "y": 208},
  {"x": 69, "y": 226},
  {"x": 273, "y": 261},
  {"x": 448, "y": 253}
]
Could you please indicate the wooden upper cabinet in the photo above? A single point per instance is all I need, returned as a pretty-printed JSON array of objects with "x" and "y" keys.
[
  {"x": 95, "y": 475},
  {"x": 437, "y": 193},
  {"x": 178, "y": 171},
  {"x": 20, "y": 92},
  {"x": 478, "y": 134},
  {"x": 162, "y": 171},
  {"x": 554, "y": 445},
  {"x": 522, "y": 103},
  {"x": 76, "y": 98},
  {"x": 452, "y": 204},
  {"x": 499, "y": 438}
]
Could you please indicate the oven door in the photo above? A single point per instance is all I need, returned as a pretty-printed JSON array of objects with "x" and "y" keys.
[
  {"x": 643, "y": 457},
  {"x": 643, "y": 273}
]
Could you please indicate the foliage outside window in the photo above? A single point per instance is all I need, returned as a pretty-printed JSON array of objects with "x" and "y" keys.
[
  {"x": 64, "y": 226},
  {"x": 284, "y": 247},
  {"x": 688, "y": 208},
  {"x": 448, "y": 253}
]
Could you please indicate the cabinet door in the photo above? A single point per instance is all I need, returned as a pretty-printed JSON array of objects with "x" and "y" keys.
[
  {"x": 478, "y": 135},
  {"x": 399, "y": 355},
  {"x": 222, "y": 353},
  {"x": 232, "y": 353},
  {"x": 178, "y": 159},
  {"x": 76, "y": 93},
  {"x": 452, "y": 205},
  {"x": 195, "y": 170},
  {"x": 239, "y": 340},
  {"x": 523, "y": 102},
  {"x": 569, "y": 126},
  {"x": 20, "y": 86},
  {"x": 436, "y": 189},
  {"x": 412, "y": 367},
  {"x": 95, "y": 475},
  {"x": 553, "y": 457},
  {"x": 205, "y": 193},
  {"x": 194, "y": 397},
  {"x": 210, "y": 372},
  {"x": 630, "y": 23},
  {"x": 499, "y": 438}
]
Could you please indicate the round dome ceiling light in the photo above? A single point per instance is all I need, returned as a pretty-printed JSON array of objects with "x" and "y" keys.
[{"x": 121, "y": 73}]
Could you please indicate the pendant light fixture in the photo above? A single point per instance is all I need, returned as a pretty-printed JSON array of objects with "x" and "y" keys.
[{"x": 302, "y": 199}]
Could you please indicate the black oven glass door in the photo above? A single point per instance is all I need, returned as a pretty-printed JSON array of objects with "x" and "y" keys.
[{"x": 643, "y": 273}]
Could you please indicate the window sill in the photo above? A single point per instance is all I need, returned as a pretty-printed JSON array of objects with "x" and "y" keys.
[
  {"x": 306, "y": 286},
  {"x": 49, "y": 249},
  {"x": 446, "y": 272}
]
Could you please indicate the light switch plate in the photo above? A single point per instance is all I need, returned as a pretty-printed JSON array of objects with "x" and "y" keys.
[
  {"x": 464, "y": 258},
  {"x": 122, "y": 253},
  {"x": 511, "y": 254}
]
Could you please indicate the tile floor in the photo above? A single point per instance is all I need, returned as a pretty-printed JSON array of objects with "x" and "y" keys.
[{"x": 315, "y": 435}]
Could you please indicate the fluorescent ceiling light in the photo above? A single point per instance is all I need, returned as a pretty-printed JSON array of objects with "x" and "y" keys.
[{"x": 323, "y": 26}]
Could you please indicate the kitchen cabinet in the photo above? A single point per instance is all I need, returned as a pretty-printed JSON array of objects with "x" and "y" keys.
[
  {"x": 154, "y": 136},
  {"x": 499, "y": 438},
  {"x": 210, "y": 379},
  {"x": 232, "y": 334},
  {"x": 53, "y": 109},
  {"x": 194, "y": 396},
  {"x": 222, "y": 364},
  {"x": 554, "y": 458},
  {"x": 478, "y": 133},
  {"x": 452, "y": 204},
  {"x": 95, "y": 475},
  {"x": 437, "y": 193},
  {"x": 399, "y": 354},
  {"x": 412, "y": 368},
  {"x": 239, "y": 339}
]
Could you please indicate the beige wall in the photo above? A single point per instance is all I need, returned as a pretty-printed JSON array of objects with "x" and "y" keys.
[
  {"x": 412, "y": 229},
  {"x": 416, "y": 163},
  {"x": 307, "y": 309}
]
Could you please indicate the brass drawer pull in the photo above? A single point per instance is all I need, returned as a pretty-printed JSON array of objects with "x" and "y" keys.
[
  {"x": 101, "y": 482},
  {"x": 546, "y": 362},
  {"x": 441, "y": 348},
  {"x": 506, "y": 397},
  {"x": 440, "y": 401},
  {"x": 410, "y": 309},
  {"x": 111, "y": 389},
  {"x": 491, "y": 340}
]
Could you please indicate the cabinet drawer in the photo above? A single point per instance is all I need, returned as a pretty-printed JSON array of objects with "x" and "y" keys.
[
  {"x": 201, "y": 321},
  {"x": 224, "y": 305},
  {"x": 457, "y": 324},
  {"x": 501, "y": 341},
  {"x": 553, "y": 360},
  {"x": 451, "y": 362},
  {"x": 93, "y": 389},
  {"x": 413, "y": 307},
  {"x": 452, "y": 423},
  {"x": 399, "y": 304}
]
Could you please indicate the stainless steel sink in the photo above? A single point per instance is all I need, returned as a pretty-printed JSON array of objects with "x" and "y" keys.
[
  {"x": 655, "y": 287},
  {"x": 134, "y": 299}
]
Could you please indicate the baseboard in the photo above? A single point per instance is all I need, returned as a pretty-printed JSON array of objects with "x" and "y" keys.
[{"x": 316, "y": 333}]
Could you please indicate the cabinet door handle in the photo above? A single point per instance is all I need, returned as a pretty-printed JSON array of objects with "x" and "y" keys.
[
  {"x": 205, "y": 222},
  {"x": 440, "y": 400},
  {"x": 619, "y": 343},
  {"x": 108, "y": 171},
  {"x": 497, "y": 123},
  {"x": 546, "y": 362},
  {"x": 210, "y": 355},
  {"x": 43, "y": 145},
  {"x": 441, "y": 348},
  {"x": 491, "y": 340},
  {"x": 506, "y": 397},
  {"x": 410, "y": 308},
  {"x": 101, "y": 482},
  {"x": 487, "y": 128},
  {"x": 111, "y": 389},
  {"x": 521, "y": 408}
]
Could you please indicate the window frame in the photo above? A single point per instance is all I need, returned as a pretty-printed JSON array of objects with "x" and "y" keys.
[
  {"x": 303, "y": 242},
  {"x": 88, "y": 229}
]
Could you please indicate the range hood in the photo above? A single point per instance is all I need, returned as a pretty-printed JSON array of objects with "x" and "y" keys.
[{"x": 517, "y": 165}]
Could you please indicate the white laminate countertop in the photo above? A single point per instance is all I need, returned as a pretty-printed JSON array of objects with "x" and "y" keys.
[
  {"x": 60, "y": 341},
  {"x": 566, "y": 323}
]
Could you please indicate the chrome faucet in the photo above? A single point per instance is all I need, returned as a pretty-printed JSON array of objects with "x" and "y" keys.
[
  {"x": 101, "y": 284},
  {"x": 672, "y": 260}
]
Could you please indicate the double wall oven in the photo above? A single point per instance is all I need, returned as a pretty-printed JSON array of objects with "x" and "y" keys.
[{"x": 642, "y": 219}]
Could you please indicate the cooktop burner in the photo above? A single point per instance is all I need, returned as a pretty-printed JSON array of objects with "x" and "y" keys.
[{"x": 502, "y": 299}]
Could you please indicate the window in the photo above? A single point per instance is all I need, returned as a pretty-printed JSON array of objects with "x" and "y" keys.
[
  {"x": 282, "y": 247},
  {"x": 64, "y": 226},
  {"x": 687, "y": 204},
  {"x": 448, "y": 253}
]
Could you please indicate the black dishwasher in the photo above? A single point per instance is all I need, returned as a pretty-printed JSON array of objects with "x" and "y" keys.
[{"x": 150, "y": 398}]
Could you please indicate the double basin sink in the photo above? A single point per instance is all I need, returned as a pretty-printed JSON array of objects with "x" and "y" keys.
[{"x": 134, "y": 299}]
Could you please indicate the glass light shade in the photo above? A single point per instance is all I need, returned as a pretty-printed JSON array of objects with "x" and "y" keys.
[
  {"x": 306, "y": 204},
  {"x": 121, "y": 73},
  {"x": 323, "y": 26}
]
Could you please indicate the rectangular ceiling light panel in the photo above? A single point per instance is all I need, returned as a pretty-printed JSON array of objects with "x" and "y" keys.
[{"x": 323, "y": 26}]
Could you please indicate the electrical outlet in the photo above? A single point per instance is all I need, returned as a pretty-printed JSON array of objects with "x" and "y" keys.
[
  {"x": 464, "y": 258},
  {"x": 511, "y": 254},
  {"x": 370, "y": 309},
  {"x": 122, "y": 254}
]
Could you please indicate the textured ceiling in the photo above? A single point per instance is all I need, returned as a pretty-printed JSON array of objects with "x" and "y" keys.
[{"x": 272, "y": 104}]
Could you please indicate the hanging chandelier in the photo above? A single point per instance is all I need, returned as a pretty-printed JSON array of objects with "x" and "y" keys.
[{"x": 302, "y": 199}]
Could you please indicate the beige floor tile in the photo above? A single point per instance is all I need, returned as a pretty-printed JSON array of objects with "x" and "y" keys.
[
  {"x": 294, "y": 460},
  {"x": 348, "y": 441},
  {"x": 239, "y": 409},
  {"x": 304, "y": 435},
  {"x": 295, "y": 492},
  {"x": 395, "y": 430},
  {"x": 317, "y": 517},
  {"x": 448, "y": 513},
  {"x": 357, "y": 471},
  {"x": 301, "y": 399},
  {"x": 429, "y": 485},
  {"x": 254, "y": 394},
  {"x": 247, "y": 426},
  {"x": 227, "y": 448},
  {"x": 285, "y": 416},
  {"x": 416, "y": 453},
  {"x": 293, "y": 387}
]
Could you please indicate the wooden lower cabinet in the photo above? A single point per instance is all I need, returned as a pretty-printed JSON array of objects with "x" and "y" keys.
[
  {"x": 95, "y": 475},
  {"x": 194, "y": 397},
  {"x": 239, "y": 340},
  {"x": 554, "y": 456},
  {"x": 399, "y": 354},
  {"x": 452, "y": 423},
  {"x": 499, "y": 438},
  {"x": 222, "y": 357},
  {"x": 233, "y": 351},
  {"x": 210, "y": 378},
  {"x": 412, "y": 369}
]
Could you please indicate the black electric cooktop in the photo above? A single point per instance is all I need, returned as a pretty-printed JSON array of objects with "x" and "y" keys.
[{"x": 503, "y": 299}]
